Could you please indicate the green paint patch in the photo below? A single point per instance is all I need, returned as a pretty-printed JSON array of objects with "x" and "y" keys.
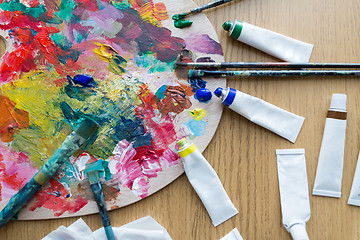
[
  {"x": 152, "y": 64},
  {"x": 121, "y": 5},
  {"x": 15, "y": 5},
  {"x": 66, "y": 8}
]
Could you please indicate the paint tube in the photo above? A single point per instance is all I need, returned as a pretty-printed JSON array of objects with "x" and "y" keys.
[
  {"x": 272, "y": 43},
  {"x": 206, "y": 183},
  {"x": 354, "y": 198},
  {"x": 294, "y": 191},
  {"x": 273, "y": 118},
  {"x": 233, "y": 235},
  {"x": 331, "y": 158}
]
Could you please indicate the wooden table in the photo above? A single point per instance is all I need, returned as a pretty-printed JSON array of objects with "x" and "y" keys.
[{"x": 242, "y": 153}]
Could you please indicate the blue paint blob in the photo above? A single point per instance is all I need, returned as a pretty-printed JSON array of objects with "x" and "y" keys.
[
  {"x": 160, "y": 92},
  {"x": 81, "y": 79},
  {"x": 203, "y": 95},
  {"x": 197, "y": 128},
  {"x": 196, "y": 83}
]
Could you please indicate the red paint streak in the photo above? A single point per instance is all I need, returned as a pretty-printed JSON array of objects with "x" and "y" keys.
[
  {"x": 15, "y": 62},
  {"x": 128, "y": 168},
  {"x": 148, "y": 97},
  {"x": 58, "y": 204},
  {"x": 90, "y": 5},
  {"x": 58, "y": 188},
  {"x": 15, "y": 171},
  {"x": 2, "y": 174},
  {"x": 31, "y": 49},
  {"x": 170, "y": 158},
  {"x": 149, "y": 159},
  {"x": 164, "y": 130},
  {"x": 135, "y": 166},
  {"x": 11, "y": 20},
  {"x": 14, "y": 181},
  {"x": 31, "y": 3},
  {"x": 175, "y": 101}
]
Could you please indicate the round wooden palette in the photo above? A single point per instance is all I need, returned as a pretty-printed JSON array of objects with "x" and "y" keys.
[{"x": 140, "y": 102}]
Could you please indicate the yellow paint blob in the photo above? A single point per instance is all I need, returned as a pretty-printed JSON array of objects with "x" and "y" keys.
[{"x": 198, "y": 113}]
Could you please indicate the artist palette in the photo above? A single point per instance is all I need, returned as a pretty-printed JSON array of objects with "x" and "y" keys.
[{"x": 113, "y": 62}]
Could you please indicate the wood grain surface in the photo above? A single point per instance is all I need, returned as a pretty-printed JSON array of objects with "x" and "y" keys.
[{"x": 242, "y": 153}]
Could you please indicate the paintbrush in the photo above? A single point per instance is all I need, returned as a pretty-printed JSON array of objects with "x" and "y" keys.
[
  {"x": 272, "y": 73},
  {"x": 92, "y": 171},
  {"x": 265, "y": 65},
  {"x": 179, "y": 19},
  {"x": 84, "y": 131}
]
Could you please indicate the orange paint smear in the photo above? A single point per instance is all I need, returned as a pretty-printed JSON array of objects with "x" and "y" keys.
[
  {"x": 153, "y": 13},
  {"x": 160, "y": 12},
  {"x": 146, "y": 96},
  {"x": 11, "y": 118}
]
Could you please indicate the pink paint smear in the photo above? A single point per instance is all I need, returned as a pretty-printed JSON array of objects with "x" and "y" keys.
[{"x": 134, "y": 166}]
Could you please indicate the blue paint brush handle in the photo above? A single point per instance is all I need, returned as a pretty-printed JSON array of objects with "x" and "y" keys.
[
  {"x": 72, "y": 143},
  {"x": 273, "y": 73},
  {"x": 99, "y": 197},
  {"x": 209, "y": 5}
]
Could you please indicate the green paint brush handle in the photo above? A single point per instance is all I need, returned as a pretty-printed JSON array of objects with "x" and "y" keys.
[{"x": 72, "y": 143}]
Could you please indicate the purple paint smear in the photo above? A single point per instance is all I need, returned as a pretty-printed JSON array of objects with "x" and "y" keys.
[{"x": 203, "y": 43}]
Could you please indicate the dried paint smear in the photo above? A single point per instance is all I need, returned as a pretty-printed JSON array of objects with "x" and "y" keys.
[{"x": 108, "y": 60}]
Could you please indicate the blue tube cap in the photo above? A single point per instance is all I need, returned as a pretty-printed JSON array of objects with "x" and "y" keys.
[{"x": 218, "y": 92}]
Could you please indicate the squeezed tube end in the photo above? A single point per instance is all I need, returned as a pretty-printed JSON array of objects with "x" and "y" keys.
[
  {"x": 218, "y": 92},
  {"x": 298, "y": 232},
  {"x": 227, "y": 25},
  {"x": 338, "y": 101}
]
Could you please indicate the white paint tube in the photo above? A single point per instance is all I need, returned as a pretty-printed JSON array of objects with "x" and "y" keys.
[
  {"x": 273, "y": 118},
  {"x": 233, "y": 235},
  {"x": 270, "y": 42},
  {"x": 331, "y": 158},
  {"x": 354, "y": 198},
  {"x": 294, "y": 191},
  {"x": 206, "y": 183}
]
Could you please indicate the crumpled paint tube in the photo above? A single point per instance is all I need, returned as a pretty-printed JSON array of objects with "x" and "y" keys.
[
  {"x": 272, "y": 43},
  {"x": 145, "y": 228},
  {"x": 273, "y": 118},
  {"x": 354, "y": 198},
  {"x": 331, "y": 158},
  {"x": 233, "y": 235},
  {"x": 206, "y": 183},
  {"x": 294, "y": 191}
]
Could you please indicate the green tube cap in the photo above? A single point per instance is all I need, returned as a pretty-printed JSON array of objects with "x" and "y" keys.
[
  {"x": 235, "y": 28},
  {"x": 227, "y": 25}
]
